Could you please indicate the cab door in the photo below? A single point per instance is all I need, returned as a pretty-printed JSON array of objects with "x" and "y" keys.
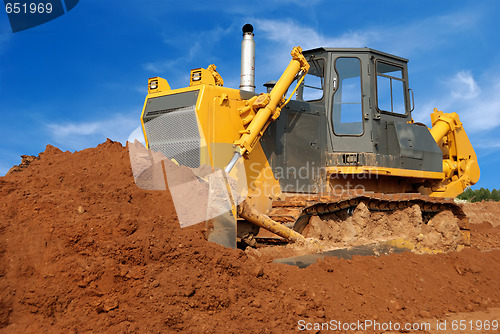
[{"x": 351, "y": 130}]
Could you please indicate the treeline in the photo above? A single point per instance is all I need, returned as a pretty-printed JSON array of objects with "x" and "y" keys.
[{"x": 479, "y": 195}]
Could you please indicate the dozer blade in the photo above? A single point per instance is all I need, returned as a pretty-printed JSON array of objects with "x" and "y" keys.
[
  {"x": 222, "y": 230},
  {"x": 374, "y": 249},
  {"x": 199, "y": 194}
]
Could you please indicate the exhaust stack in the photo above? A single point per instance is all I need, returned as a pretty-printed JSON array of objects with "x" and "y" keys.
[{"x": 247, "y": 82}]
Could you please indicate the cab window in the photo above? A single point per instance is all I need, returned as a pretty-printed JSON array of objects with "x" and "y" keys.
[
  {"x": 312, "y": 87},
  {"x": 390, "y": 88}
]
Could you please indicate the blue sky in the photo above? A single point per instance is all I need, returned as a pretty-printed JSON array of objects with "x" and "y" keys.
[{"x": 81, "y": 78}]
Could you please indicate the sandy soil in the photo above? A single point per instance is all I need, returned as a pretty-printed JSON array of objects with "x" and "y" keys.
[{"x": 84, "y": 250}]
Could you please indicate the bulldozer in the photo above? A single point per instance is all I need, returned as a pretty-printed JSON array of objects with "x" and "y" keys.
[{"x": 343, "y": 137}]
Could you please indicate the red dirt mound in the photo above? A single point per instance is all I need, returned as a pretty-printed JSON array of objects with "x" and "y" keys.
[
  {"x": 485, "y": 224},
  {"x": 83, "y": 249}
]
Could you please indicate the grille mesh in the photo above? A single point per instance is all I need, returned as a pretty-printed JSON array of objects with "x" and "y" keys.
[{"x": 176, "y": 135}]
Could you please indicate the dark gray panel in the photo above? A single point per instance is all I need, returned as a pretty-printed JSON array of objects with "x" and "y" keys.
[
  {"x": 408, "y": 139},
  {"x": 411, "y": 163},
  {"x": 272, "y": 142},
  {"x": 295, "y": 145},
  {"x": 302, "y": 160},
  {"x": 416, "y": 142},
  {"x": 407, "y": 146},
  {"x": 392, "y": 140}
]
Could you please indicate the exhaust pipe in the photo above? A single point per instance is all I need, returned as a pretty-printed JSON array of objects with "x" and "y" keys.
[{"x": 247, "y": 82}]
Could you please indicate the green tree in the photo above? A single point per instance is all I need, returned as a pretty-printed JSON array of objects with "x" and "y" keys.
[
  {"x": 495, "y": 195},
  {"x": 481, "y": 194}
]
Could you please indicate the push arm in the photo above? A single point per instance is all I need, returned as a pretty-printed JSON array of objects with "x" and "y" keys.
[{"x": 268, "y": 106}]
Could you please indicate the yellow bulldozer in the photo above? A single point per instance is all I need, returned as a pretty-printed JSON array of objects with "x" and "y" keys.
[{"x": 343, "y": 137}]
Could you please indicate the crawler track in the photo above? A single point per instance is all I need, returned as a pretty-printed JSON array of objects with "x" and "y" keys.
[{"x": 296, "y": 210}]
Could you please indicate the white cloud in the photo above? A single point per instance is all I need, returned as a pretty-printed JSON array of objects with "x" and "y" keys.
[
  {"x": 272, "y": 58},
  {"x": 476, "y": 102},
  {"x": 79, "y": 135},
  {"x": 160, "y": 66},
  {"x": 275, "y": 38},
  {"x": 426, "y": 34},
  {"x": 488, "y": 144},
  {"x": 289, "y": 33},
  {"x": 405, "y": 39},
  {"x": 482, "y": 112},
  {"x": 199, "y": 45},
  {"x": 464, "y": 86}
]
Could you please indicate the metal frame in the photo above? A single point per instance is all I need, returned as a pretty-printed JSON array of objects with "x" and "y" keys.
[
  {"x": 405, "y": 87},
  {"x": 334, "y": 68}
]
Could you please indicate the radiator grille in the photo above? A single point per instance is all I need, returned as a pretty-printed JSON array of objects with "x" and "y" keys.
[{"x": 176, "y": 135}]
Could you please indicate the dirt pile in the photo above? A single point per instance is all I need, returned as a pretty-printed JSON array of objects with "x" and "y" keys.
[
  {"x": 485, "y": 224},
  {"x": 364, "y": 227},
  {"x": 83, "y": 249},
  {"x": 483, "y": 212}
]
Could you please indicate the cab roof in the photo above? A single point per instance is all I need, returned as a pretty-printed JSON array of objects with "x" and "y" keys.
[{"x": 353, "y": 50}]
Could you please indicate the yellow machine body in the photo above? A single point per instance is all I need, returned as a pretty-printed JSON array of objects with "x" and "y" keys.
[{"x": 229, "y": 126}]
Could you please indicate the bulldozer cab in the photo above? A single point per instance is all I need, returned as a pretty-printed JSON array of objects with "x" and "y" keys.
[
  {"x": 358, "y": 88},
  {"x": 352, "y": 110}
]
